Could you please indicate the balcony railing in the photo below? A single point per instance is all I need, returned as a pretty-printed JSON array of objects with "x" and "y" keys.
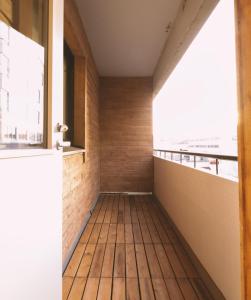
[{"x": 203, "y": 161}]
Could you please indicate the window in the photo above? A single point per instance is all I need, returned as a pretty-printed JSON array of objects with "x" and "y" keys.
[
  {"x": 68, "y": 93},
  {"x": 74, "y": 90},
  {"x": 23, "y": 58}
]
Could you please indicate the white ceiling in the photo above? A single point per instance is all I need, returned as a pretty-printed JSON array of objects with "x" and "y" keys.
[{"x": 127, "y": 36}]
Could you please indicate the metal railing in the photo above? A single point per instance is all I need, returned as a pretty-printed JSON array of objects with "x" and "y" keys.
[{"x": 178, "y": 156}]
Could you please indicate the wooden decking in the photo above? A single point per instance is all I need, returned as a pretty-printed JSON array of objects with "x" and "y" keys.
[{"x": 128, "y": 250}]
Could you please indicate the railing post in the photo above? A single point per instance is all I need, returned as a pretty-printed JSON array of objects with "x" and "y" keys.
[
  {"x": 181, "y": 159},
  {"x": 217, "y": 166},
  {"x": 194, "y": 161},
  {"x": 171, "y": 155}
]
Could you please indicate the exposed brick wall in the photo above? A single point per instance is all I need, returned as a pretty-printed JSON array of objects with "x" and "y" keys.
[
  {"x": 82, "y": 178},
  {"x": 126, "y": 134}
]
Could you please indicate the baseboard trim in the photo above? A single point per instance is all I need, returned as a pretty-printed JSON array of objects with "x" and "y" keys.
[
  {"x": 211, "y": 286},
  {"x": 76, "y": 241}
]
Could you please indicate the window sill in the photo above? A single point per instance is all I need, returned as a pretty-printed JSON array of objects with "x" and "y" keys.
[
  {"x": 17, "y": 153},
  {"x": 72, "y": 150}
]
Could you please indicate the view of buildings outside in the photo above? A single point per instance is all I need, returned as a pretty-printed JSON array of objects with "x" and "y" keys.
[
  {"x": 196, "y": 110},
  {"x": 21, "y": 95}
]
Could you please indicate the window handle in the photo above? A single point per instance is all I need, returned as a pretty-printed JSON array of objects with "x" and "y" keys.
[
  {"x": 61, "y": 145},
  {"x": 62, "y": 127}
]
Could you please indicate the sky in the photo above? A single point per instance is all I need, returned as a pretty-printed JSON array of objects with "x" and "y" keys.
[{"x": 199, "y": 98}]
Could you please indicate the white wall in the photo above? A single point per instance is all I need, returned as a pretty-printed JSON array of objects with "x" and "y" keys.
[
  {"x": 30, "y": 227},
  {"x": 205, "y": 209}
]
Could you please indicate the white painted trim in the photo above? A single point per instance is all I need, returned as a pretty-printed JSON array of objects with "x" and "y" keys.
[{"x": 5, "y": 154}]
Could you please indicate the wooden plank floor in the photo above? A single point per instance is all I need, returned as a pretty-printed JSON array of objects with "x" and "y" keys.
[{"x": 128, "y": 250}]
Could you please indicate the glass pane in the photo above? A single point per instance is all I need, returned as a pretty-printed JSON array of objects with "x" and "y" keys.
[
  {"x": 68, "y": 113},
  {"x": 23, "y": 57}
]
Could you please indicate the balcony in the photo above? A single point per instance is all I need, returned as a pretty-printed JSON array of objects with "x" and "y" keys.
[{"x": 94, "y": 212}]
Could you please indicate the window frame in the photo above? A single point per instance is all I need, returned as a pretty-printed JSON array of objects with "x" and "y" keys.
[
  {"x": 80, "y": 86},
  {"x": 24, "y": 25}
]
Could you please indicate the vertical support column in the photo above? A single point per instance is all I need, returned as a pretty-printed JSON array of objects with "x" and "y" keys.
[{"x": 243, "y": 38}]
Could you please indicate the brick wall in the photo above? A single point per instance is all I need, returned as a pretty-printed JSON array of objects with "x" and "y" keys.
[
  {"x": 126, "y": 134},
  {"x": 81, "y": 178}
]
